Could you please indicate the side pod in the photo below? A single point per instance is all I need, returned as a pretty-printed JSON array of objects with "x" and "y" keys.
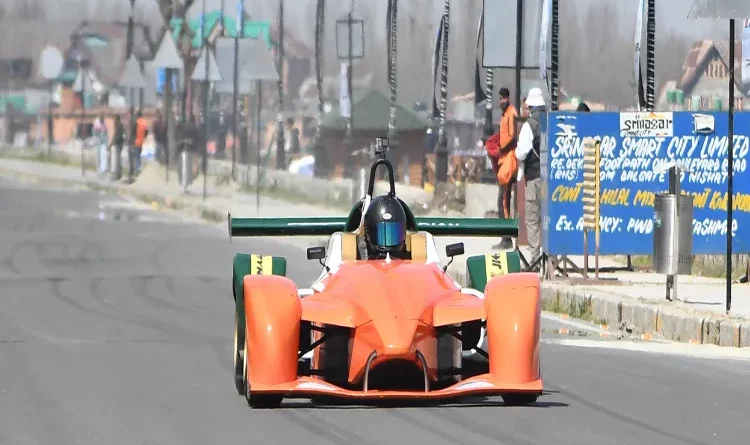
[
  {"x": 272, "y": 313},
  {"x": 513, "y": 324}
]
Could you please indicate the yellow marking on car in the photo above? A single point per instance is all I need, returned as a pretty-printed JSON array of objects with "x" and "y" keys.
[
  {"x": 496, "y": 264},
  {"x": 261, "y": 265}
]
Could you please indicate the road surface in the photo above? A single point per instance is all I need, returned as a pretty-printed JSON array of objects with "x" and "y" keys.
[{"x": 116, "y": 328}]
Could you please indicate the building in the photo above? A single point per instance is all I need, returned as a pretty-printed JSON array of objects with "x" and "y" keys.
[
  {"x": 703, "y": 84},
  {"x": 370, "y": 116},
  {"x": 297, "y": 65},
  {"x": 102, "y": 47}
]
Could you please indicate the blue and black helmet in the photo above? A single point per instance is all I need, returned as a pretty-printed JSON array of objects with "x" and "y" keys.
[{"x": 385, "y": 224}]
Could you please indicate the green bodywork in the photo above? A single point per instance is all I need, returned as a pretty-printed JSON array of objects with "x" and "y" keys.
[
  {"x": 243, "y": 266},
  {"x": 325, "y": 226},
  {"x": 476, "y": 267}
]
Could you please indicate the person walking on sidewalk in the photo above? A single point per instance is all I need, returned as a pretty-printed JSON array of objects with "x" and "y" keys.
[
  {"x": 102, "y": 142},
  {"x": 140, "y": 131},
  {"x": 530, "y": 170},
  {"x": 118, "y": 139}
]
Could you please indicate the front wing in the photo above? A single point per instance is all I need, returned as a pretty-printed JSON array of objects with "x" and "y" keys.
[{"x": 305, "y": 387}]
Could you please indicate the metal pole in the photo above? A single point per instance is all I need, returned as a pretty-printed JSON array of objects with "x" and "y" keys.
[
  {"x": 83, "y": 115},
  {"x": 650, "y": 54},
  {"x": 258, "y": 129},
  {"x": 441, "y": 151},
  {"x": 730, "y": 159},
  {"x": 280, "y": 154},
  {"x": 169, "y": 115},
  {"x": 131, "y": 122},
  {"x": 50, "y": 123},
  {"x": 349, "y": 119},
  {"x": 392, "y": 79},
  {"x": 205, "y": 105},
  {"x": 555, "y": 54},
  {"x": 519, "y": 51},
  {"x": 319, "y": 29},
  {"x": 235, "y": 86}
]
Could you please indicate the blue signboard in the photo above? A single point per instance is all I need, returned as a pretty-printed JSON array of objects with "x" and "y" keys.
[
  {"x": 634, "y": 148},
  {"x": 161, "y": 81}
]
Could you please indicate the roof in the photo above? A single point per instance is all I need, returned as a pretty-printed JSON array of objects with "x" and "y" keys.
[
  {"x": 108, "y": 57},
  {"x": 700, "y": 53},
  {"x": 252, "y": 29},
  {"x": 292, "y": 45},
  {"x": 26, "y": 40},
  {"x": 371, "y": 111},
  {"x": 719, "y": 9}
]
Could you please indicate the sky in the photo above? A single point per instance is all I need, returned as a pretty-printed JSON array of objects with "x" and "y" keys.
[{"x": 671, "y": 14}]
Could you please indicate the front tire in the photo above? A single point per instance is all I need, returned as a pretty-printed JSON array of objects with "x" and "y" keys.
[
  {"x": 258, "y": 401},
  {"x": 240, "y": 379},
  {"x": 519, "y": 399}
]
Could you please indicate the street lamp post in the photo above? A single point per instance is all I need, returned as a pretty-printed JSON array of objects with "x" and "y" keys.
[
  {"x": 131, "y": 122},
  {"x": 441, "y": 151},
  {"x": 346, "y": 30},
  {"x": 280, "y": 143},
  {"x": 319, "y": 33},
  {"x": 235, "y": 81},
  {"x": 82, "y": 73}
]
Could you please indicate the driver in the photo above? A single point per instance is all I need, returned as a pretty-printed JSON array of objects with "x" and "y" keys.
[{"x": 385, "y": 228}]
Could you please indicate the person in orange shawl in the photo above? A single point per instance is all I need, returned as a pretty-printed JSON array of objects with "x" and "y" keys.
[
  {"x": 501, "y": 148},
  {"x": 140, "y": 131}
]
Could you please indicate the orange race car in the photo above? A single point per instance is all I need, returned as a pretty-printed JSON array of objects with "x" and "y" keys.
[{"x": 384, "y": 320}]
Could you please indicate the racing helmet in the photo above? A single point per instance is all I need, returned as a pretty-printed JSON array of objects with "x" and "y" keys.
[{"x": 385, "y": 226}]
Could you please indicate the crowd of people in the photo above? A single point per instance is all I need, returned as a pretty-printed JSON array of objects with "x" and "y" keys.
[{"x": 515, "y": 156}]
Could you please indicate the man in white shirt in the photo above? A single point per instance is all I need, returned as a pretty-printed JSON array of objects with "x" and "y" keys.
[{"x": 527, "y": 152}]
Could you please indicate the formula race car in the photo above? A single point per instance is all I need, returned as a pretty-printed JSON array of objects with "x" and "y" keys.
[{"x": 384, "y": 320}]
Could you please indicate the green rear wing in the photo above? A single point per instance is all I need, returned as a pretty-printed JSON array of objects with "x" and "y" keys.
[{"x": 326, "y": 226}]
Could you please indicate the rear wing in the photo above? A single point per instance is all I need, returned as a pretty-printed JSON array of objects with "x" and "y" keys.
[{"x": 326, "y": 226}]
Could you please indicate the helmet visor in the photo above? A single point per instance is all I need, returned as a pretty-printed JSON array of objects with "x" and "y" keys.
[{"x": 389, "y": 234}]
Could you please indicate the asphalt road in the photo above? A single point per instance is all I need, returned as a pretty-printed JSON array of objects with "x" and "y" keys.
[{"x": 116, "y": 328}]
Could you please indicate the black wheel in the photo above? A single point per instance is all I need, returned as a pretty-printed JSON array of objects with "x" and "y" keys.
[
  {"x": 258, "y": 401},
  {"x": 264, "y": 401},
  {"x": 240, "y": 381},
  {"x": 519, "y": 399}
]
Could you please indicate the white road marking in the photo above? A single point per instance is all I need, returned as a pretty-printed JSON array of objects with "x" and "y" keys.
[
  {"x": 573, "y": 322},
  {"x": 667, "y": 348}
]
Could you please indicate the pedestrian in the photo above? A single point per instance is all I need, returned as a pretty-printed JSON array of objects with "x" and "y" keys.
[
  {"x": 159, "y": 127},
  {"x": 530, "y": 171},
  {"x": 140, "y": 131},
  {"x": 101, "y": 136},
  {"x": 501, "y": 151},
  {"x": 118, "y": 139}
]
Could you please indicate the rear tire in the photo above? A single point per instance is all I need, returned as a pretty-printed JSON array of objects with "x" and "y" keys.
[
  {"x": 519, "y": 399},
  {"x": 240, "y": 381},
  {"x": 258, "y": 401}
]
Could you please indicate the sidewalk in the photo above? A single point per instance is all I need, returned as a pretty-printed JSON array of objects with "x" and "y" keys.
[{"x": 633, "y": 302}]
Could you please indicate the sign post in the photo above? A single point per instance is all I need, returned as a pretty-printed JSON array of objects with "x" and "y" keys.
[
  {"x": 168, "y": 58},
  {"x": 731, "y": 10},
  {"x": 51, "y": 67}
]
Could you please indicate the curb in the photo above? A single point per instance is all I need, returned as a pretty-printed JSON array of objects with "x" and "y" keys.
[
  {"x": 642, "y": 319},
  {"x": 649, "y": 320}
]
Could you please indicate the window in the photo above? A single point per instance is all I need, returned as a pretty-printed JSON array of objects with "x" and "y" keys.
[{"x": 15, "y": 69}]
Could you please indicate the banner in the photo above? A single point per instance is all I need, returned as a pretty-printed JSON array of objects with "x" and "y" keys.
[
  {"x": 637, "y": 54},
  {"x": 240, "y": 13},
  {"x": 634, "y": 148},
  {"x": 345, "y": 102}
]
